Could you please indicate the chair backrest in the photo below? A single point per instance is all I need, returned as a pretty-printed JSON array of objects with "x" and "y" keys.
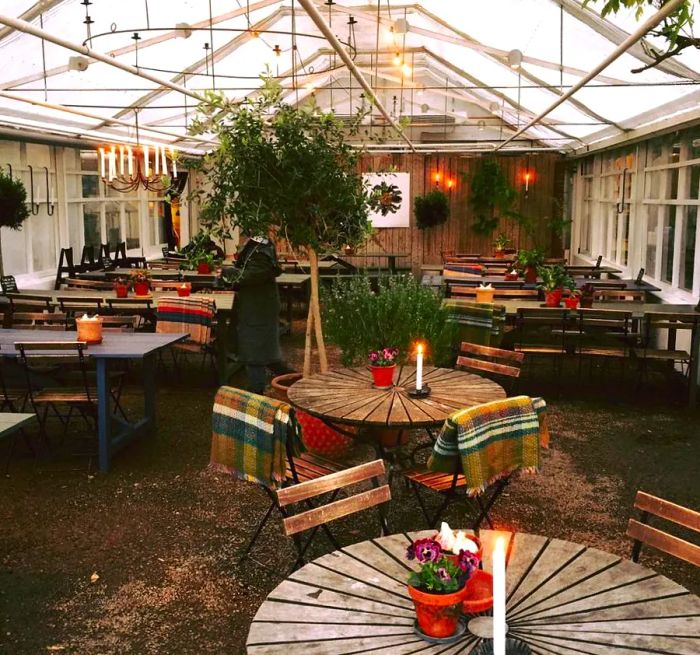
[
  {"x": 48, "y": 351},
  {"x": 77, "y": 283},
  {"x": 165, "y": 250},
  {"x": 641, "y": 532},
  {"x": 8, "y": 284},
  {"x": 28, "y": 301},
  {"x": 607, "y": 320},
  {"x": 119, "y": 323},
  {"x": 72, "y": 304},
  {"x": 640, "y": 276},
  {"x": 65, "y": 265},
  {"x": 322, "y": 514},
  {"x": 598, "y": 261},
  {"x": 618, "y": 295},
  {"x": 129, "y": 305},
  {"x": 39, "y": 320},
  {"x": 673, "y": 322},
  {"x": 165, "y": 285},
  {"x": 493, "y": 360}
]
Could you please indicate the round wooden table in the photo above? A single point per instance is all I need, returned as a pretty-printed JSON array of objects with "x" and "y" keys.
[
  {"x": 347, "y": 396},
  {"x": 563, "y": 598}
]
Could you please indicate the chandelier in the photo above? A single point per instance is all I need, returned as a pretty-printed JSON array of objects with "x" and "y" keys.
[{"x": 126, "y": 167}]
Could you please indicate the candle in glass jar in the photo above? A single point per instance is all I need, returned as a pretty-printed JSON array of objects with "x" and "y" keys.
[
  {"x": 419, "y": 367},
  {"x": 499, "y": 597}
]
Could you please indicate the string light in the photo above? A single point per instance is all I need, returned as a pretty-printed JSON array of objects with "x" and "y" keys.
[
  {"x": 397, "y": 59},
  {"x": 406, "y": 70}
]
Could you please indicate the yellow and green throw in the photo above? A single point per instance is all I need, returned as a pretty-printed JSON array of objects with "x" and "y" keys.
[
  {"x": 492, "y": 440},
  {"x": 249, "y": 436},
  {"x": 475, "y": 322}
]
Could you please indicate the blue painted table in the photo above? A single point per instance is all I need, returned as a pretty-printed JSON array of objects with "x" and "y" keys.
[{"x": 113, "y": 433}]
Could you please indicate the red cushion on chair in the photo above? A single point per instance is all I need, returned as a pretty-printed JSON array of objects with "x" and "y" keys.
[{"x": 321, "y": 439}]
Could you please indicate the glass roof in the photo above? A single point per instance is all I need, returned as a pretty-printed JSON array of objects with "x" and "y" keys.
[{"x": 441, "y": 63}]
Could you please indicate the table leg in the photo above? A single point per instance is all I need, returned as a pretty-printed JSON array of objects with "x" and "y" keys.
[
  {"x": 103, "y": 414},
  {"x": 149, "y": 392},
  {"x": 693, "y": 372}
]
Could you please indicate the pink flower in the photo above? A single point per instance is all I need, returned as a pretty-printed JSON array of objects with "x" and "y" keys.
[{"x": 373, "y": 357}]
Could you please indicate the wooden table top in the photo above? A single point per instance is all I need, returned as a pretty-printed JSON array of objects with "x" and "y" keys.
[
  {"x": 562, "y": 599},
  {"x": 12, "y": 421},
  {"x": 115, "y": 345},
  {"x": 347, "y": 396}
]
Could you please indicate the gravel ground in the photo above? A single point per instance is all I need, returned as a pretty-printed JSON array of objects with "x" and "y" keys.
[{"x": 143, "y": 560}]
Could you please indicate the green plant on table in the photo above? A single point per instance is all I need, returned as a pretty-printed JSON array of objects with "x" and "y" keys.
[
  {"x": 140, "y": 276},
  {"x": 400, "y": 312},
  {"x": 527, "y": 258},
  {"x": 555, "y": 277},
  {"x": 501, "y": 242},
  {"x": 439, "y": 572}
]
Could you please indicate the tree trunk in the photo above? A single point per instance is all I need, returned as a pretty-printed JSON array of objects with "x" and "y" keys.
[
  {"x": 313, "y": 321},
  {"x": 306, "y": 372}
]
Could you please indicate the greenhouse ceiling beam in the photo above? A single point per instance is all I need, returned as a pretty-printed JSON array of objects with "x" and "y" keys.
[
  {"x": 28, "y": 28},
  {"x": 617, "y": 35},
  {"x": 145, "y": 43},
  {"x": 649, "y": 24},
  {"x": 461, "y": 38},
  {"x": 319, "y": 21},
  {"x": 33, "y": 12}
]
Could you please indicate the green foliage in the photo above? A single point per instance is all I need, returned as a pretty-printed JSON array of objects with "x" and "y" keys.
[
  {"x": 428, "y": 578},
  {"x": 501, "y": 242},
  {"x": 198, "y": 250},
  {"x": 675, "y": 29},
  {"x": 534, "y": 257},
  {"x": 284, "y": 167},
  {"x": 13, "y": 202},
  {"x": 431, "y": 209},
  {"x": 555, "y": 277},
  {"x": 401, "y": 312},
  {"x": 492, "y": 197}
]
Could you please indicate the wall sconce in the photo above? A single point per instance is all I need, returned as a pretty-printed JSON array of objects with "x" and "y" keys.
[
  {"x": 528, "y": 178},
  {"x": 450, "y": 184},
  {"x": 436, "y": 177}
]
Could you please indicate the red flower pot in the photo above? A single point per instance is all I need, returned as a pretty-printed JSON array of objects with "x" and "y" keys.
[
  {"x": 478, "y": 593},
  {"x": 141, "y": 288},
  {"x": 437, "y": 614},
  {"x": 383, "y": 376},
  {"x": 203, "y": 267},
  {"x": 499, "y": 254},
  {"x": 530, "y": 274},
  {"x": 510, "y": 277},
  {"x": 122, "y": 290},
  {"x": 571, "y": 302},
  {"x": 184, "y": 290},
  {"x": 552, "y": 298}
]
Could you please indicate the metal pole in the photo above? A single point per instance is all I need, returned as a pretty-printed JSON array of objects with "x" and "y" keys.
[
  {"x": 653, "y": 21},
  {"x": 316, "y": 17},
  {"x": 28, "y": 28}
]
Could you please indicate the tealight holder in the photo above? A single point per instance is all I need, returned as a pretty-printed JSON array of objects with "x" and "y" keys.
[
  {"x": 423, "y": 392},
  {"x": 89, "y": 329}
]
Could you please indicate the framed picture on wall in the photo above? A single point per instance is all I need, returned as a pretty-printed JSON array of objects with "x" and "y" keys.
[{"x": 390, "y": 199}]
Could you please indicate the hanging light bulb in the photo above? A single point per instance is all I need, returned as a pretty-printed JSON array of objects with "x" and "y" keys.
[
  {"x": 515, "y": 58},
  {"x": 277, "y": 50},
  {"x": 397, "y": 59},
  {"x": 406, "y": 70}
]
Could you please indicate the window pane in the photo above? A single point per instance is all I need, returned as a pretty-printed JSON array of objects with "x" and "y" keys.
[
  {"x": 131, "y": 210},
  {"x": 688, "y": 248},
  {"x": 652, "y": 224},
  {"x": 113, "y": 224},
  {"x": 75, "y": 227},
  {"x": 672, "y": 185},
  {"x": 88, "y": 160},
  {"x": 669, "y": 231},
  {"x": 694, "y": 181},
  {"x": 43, "y": 229},
  {"x": 625, "y": 228},
  {"x": 613, "y": 236},
  {"x": 91, "y": 225},
  {"x": 157, "y": 221},
  {"x": 90, "y": 185},
  {"x": 14, "y": 251},
  {"x": 653, "y": 185}
]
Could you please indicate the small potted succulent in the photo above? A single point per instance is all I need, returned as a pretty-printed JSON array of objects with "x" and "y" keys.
[
  {"x": 438, "y": 588},
  {"x": 554, "y": 280},
  {"x": 121, "y": 287},
  {"x": 141, "y": 282},
  {"x": 528, "y": 261},
  {"x": 382, "y": 364},
  {"x": 500, "y": 245}
]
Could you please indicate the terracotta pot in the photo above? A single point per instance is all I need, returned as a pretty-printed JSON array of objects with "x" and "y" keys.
[
  {"x": 530, "y": 274},
  {"x": 478, "y": 593},
  {"x": 437, "y": 614},
  {"x": 184, "y": 290},
  {"x": 203, "y": 267},
  {"x": 499, "y": 254},
  {"x": 383, "y": 376},
  {"x": 484, "y": 295},
  {"x": 571, "y": 302},
  {"x": 552, "y": 298},
  {"x": 510, "y": 277},
  {"x": 141, "y": 288},
  {"x": 122, "y": 290},
  {"x": 318, "y": 437}
]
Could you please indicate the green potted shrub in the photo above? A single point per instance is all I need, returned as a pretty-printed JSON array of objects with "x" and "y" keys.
[
  {"x": 431, "y": 209},
  {"x": 528, "y": 261},
  {"x": 554, "y": 280},
  {"x": 13, "y": 205},
  {"x": 500, "y": 245}
]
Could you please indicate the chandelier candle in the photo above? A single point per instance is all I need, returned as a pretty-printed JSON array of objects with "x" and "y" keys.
[{"x": 499, "y": 597}]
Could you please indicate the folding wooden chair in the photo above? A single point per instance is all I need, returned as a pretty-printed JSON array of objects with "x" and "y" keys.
[
  {"x": 318, "y": 516},
  {"x": 91, "y": 285},
  {"x": 643, "y": 533},
  {"x": 65, "y": 265},
  {"x": 617, "y": 295},
  {"x": 496, "y": 361},
  {"x": 141, "y": 307},
  {"x": 30, "y": 302},
  {"x": 39, "y": 321},
  {"x": 8, "y": 284}
]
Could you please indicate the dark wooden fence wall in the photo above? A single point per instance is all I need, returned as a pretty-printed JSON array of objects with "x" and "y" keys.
[{"x": 543, "y": 202}]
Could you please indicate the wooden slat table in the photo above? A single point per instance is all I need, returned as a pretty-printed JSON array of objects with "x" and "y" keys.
[
  {"x": 562, "y": 599},
  {"x": 348, "y": 396},
  {"x": 10, "y": 422},
  {"x": 113, "y": 433}
]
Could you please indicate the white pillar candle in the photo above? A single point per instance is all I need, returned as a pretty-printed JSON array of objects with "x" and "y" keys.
[
  {"x": 146, "y": 162},
  {"x": 164, "y": 160},
  {"x": 112, "y": 163},
  {"x": 157, "y": 158},
  {"x": 121, "y": 160},
  {"x": 499, "y": 597},
  {"x": 172, "y": 159},
  {"x": 103, "y": 163},
  {"x": 419, "y": 367},
  {"x": 130, "y": 159}
]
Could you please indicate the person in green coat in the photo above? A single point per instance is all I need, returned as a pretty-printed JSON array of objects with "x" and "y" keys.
[{"x": 256, "y": 310}]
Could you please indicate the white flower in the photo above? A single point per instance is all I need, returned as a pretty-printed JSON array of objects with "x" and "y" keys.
[
  {"x": 446, "y": 537},
  {"x": 463, "y": 542}
]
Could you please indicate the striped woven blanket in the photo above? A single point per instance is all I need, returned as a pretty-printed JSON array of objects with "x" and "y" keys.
[
  {"x": 480, "y": 323},
  {"x": 492, "y": 440},
  {"x": 249, "y": 436},
  {"x": 192, "y": 315}
]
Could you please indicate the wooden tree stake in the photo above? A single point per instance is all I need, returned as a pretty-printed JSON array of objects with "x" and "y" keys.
[{"x": 316, "y": 307}]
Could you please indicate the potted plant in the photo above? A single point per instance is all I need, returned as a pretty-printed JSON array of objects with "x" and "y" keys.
[
  {"x": 528, "y": 261},
  {"x": 587, "y": 294},
  {"x": 382, "y": 364},
  {"x": 438, "y": 587},
  {"x": 13, "y": 205},
  {"x": 572, "y": 300},
  {"x": 121, "y": 287},
  {"x": 554, "y": 280},
  {"x": 500, "y": 245},
  {"x": 141, "y": 282},
  {"x": 205, "y": 262},
  {"x": 511, "y": 275},
  {"x": 431, "y": 209}
]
